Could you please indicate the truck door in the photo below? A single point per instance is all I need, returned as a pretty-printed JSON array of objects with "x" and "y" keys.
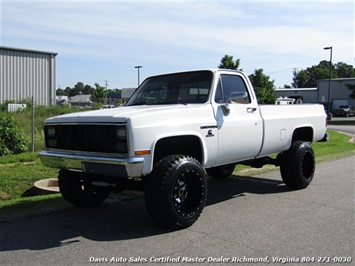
[{"x": 239, "y": 124}]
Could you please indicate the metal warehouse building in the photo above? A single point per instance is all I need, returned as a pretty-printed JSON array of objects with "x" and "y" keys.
[
  {"x": 26, "y": 73},
  {"x": 339, "y": 92}
]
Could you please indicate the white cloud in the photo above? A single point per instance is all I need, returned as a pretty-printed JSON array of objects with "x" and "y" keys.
[{"x": 184, "y": 34}]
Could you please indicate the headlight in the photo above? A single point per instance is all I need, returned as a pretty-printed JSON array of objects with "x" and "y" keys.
[
  {"x": 121, "y": 139},
  {"x": 120, "y": 133},
  {"x": 50, "y": 131},
  {"x": 50, "y": 136}
]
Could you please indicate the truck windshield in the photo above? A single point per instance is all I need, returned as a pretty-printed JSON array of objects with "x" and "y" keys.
[{"x": 187, "y": 87}]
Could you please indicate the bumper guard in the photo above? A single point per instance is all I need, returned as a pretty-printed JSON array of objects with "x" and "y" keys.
[{"x": 117, "y": 167}]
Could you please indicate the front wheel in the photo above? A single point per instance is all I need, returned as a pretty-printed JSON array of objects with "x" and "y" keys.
[
  {"x": 78, "y": 190},
  {"x": 176, "y": 191},
  {"x": 298, "y": 165}
]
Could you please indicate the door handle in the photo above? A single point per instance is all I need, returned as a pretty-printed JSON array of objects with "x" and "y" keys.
[{"x": 251, "y": 110}]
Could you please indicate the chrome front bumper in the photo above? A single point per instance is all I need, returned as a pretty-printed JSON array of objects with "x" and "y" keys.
[{"x": 118, "y": 167}]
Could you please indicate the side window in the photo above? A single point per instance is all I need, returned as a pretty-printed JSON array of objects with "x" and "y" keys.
[{"x": 229, "y": 86}]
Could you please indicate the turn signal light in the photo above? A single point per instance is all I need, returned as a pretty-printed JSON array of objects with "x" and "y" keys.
[{"x": 142, "y": 152}]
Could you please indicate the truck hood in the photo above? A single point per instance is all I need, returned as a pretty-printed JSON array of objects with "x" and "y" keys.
[{"x": 120, "y": 114}]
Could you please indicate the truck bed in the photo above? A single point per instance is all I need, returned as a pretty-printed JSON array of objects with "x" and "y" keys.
[{"x": 280, "y": 121}]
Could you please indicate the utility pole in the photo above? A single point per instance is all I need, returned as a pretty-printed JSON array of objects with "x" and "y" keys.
[
  {"x": 106, "y": 83},
  {"x": 138, "y": 67},
  {"x": 329, "y": 115}
]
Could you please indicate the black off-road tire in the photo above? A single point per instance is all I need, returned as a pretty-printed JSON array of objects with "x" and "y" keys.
[
  {"x": 77, "y": 189},
  {"x": 298, "y": 165},
  {"x": 220, "y": 172},
  {"x": 176, "y": 191}
]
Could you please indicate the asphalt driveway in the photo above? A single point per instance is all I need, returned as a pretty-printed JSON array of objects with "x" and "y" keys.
[{"x": 247, "y": 220}]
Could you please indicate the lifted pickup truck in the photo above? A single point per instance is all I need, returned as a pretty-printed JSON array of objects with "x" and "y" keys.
[{"x": 173, "y": 128}]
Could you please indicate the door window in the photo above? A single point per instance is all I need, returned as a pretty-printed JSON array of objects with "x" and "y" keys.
[{"x": 228, "y": 87}]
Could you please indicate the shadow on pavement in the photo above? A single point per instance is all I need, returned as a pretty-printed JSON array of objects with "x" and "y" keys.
[
  {"x": 113, "y": 221},
  {"x": 236, "y": 186}
]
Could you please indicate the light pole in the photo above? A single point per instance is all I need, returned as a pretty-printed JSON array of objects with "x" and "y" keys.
[
  {"x": 138, "y": 67},
  {"x": 330, "y": 75}
]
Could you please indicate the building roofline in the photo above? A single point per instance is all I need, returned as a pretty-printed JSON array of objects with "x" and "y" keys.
[
  {"x": 296, "y": 89},
  {"x": 337, "y": 79},
  {"x": 27, "y": 50}
]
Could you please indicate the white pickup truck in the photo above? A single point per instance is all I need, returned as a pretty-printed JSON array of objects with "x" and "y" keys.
[{"x": 174, "y": 127}]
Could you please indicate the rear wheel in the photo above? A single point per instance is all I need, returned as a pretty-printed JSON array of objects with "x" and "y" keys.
[
  {"x": 77, "y": 189},
  {"x": 176, "y": 191},
  {"x": 298, "y": 165}
]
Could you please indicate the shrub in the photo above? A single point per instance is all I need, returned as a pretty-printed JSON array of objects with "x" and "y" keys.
[{"x": 12, "y": 139}]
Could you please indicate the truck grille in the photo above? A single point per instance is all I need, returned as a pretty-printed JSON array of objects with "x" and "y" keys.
[{"x": 91, "y": 138}]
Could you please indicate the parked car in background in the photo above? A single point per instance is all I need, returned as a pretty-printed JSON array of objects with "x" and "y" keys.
[{"x": 344, "y": 110}]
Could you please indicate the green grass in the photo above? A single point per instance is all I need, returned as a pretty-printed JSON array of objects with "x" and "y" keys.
[
  {"x": 18, "y": 173},
  {"x": 41, "y": 113},
  {"x": 339, "y": 145},
  {"x": 19, "y": 158},
  {"x": 17, "y": 179},
  {"x": 342, "y": 122}
]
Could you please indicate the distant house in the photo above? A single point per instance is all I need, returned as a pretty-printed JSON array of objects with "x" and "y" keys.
[
  {"x": 127, "y": 93},
  {"x": 112, "y": 98},
  {"x": 80, "y": 100}
]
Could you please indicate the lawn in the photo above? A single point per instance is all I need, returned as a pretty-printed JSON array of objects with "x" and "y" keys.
[
  {"x": 17, "y": 179},
  {"x": 32, "y": 125}
]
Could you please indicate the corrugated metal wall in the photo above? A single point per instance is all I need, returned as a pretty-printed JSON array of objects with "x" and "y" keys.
[{"x": 24, "y": 73}]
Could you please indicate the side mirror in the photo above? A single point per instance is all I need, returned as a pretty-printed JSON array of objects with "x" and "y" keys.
[
  {"x": 235, "y": 97},
  {"x": 225, "y": 108},
  {"x": 238, "y": 97}
]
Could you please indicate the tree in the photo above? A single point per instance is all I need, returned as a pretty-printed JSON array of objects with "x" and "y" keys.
[
  {"x": 78, "y": 89},
  {"x": 60, "y": 92},
  {"x": 344, "y": 70},
  {"x": 263, "y": 86},
  {"x": 99, "y": 94},
  {"x": 307, "y": 78},
  {"x": 88, "y": 90},
  {"x": 299, "y": 78},
  {"x": 68, "y": 91},
  {"x": 227, "y": 62},
  {"x": 12, "y": 138}
]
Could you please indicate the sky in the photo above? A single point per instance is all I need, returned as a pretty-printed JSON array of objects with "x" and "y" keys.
[{"x": 102, "y": 41}]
